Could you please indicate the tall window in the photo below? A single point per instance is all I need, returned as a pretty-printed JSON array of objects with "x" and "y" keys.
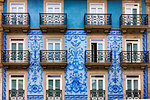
[
  {"x": 96, "y": 9},
  {"x": 53, "y": 16},
  {"x": 132, "y": 48},
  {"x": 132, "y": 10},
  {"x": 97, "y": 47},
  {"x": 97, "y": 86},
  {"x": 17, "y": 10},
  {"x": 16, "y": 47},
  {"x": 133, "y": 86},
  {"x": 16, "y": 90},
  {"x": 54, "y": 87},
  {"x": 54, "y": 47}
]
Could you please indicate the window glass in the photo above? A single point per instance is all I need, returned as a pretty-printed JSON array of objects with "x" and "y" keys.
[
  {"x": 57, "y": 84},
  {"x": 129, "y": 84},
  {"x": 93, "y": 84},
  {"x": 100, "y": 84},
  {"x": 136, "y": 84},
  {"x": 20, "y": 84},
  {"x": 13, "y": 84},
  {"x": 50, "y": 84},
  {"x": 50, "y": 46}
]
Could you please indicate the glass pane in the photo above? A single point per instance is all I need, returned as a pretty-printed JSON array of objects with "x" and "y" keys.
[
  {"x": 20, "y": 84},
  {"x": 57, "y": 53},
  {"x": 100, "y": 84},
  {"x": 50, "y": 53},
  {"x": 50, "y": 10},
  {"x": 57, "y": 84},
  {"x": 14, "y": 9},
  {"x": 57, "y": 10},
  {"x": 100, "y": 10},
  {"x": 13, "y": 82},
  {"x": 129, "y": 84},
  {"x": 20, "y": 9},
  {"x": 135, "y": 55},
  {"x": 136, "y": 84},
  {"x": 134, "y": 11},
  {"x": 50, "y": 84},
  {"x": 135, "y": 47},
  {"x": 20, "y": 47},
  {"x": 13, "y": 46},
  {"x": 100, "y": 52},
  {"x": 20, "y": 52},
  {"x": 93, "y": 84},
  {"x": 128, "y": 52},
  {"x": 50, "y": 46},
  {"x": 57, "y": 46},
  {"x": 93, "y": 10}
]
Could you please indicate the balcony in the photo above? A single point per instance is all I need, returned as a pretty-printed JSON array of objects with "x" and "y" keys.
[
  {"x": 53, "y": 94},
  {"x": 133, "y": 23},
  {"x": 97, "y": 94},
  {"x": 133, "y": 59},
  {"x": 16, "y": 94},
  {"x": 98, "y": 59},
  {"x": 133, "y": 94},
  {"x": 53, "y": 59},
  {"x": 97, "y": 23},
  {"x": 16, "y": 58},
  {"x": 16, "y": 22},
  {"x": 53, "y": 22}
]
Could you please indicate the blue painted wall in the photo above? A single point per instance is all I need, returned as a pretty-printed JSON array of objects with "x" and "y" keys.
[
  {"x": 143, "y": 7},
  {"x": 34, "y": 8},
  {"x": 5, "y": 6},
  {"x": 114, "y": 7},
  {"x": 75, "y": 10}
]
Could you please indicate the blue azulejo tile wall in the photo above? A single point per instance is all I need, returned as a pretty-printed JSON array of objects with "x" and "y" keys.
[
  {"x": 35, "y": 72},
  {"x": 115, "y": 74},
  {"x": 76, "y": 73}
]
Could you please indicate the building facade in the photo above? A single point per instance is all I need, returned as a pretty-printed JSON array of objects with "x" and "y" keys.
[{"x": 74, "y": 49}]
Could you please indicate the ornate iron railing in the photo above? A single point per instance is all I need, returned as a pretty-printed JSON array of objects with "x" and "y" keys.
[
  {"x": 133, "y": 94},
  {"x": 15, "y": 56},
  {"x": 134, "y": 19},
  {"x": 97, "y": 94},
  {"x": 16, "y": 94},
  {"x": 134, "y": 57},
  {"x": 97, "y": 19},
  {"x": 53, "y": 55},
  {"x": 15, "y": 19},
  {"x": 53, "y": 19},
  {"x": 54, "y": 94},
  {"x": 99, "y": 56}
]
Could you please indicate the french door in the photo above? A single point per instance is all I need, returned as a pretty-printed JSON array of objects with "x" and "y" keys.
[
  {"x": 16, "y": 52},
  {"x": 18, "y": 18},
  {"x": 132, "y": 10},
  {"x": 96, "y": 10},
  {"x": 97, "y": 52},
  {"x": 53, "y": 17}
]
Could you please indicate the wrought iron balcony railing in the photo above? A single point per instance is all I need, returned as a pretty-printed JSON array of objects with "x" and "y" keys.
[
  {"x": 97, "y": 94},
  {"x": 53, "y": 56},
  {"x": 134, "y": 19},
  {"x": 16, "y": 94},
  {"x": 99, "y": 56},
  {"x": 15, "y": 56},
  {"x": 53, "y": 19},
  {"x": 134, "y": 57},
  {"x": 15, "y": 19},
  {"x": 133, "y": 94},
  {"x": 54, "y": 94},
  {"x": 97, "y": 19}
]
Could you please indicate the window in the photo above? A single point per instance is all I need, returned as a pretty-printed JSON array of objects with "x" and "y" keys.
[
  {"x": 16, "y": 49},
  {"x": 133, "y": 86},
  {"x": 132, "y": 10},
  {"x": 54, "y": 86},
  {"x": 54, "y": 47},
  {"x": 53, "y": 8},
  {"x": 16, "y": 90},
  {"x": 97, "y": 86},
  {"x": 132, "y": 48},
  {"x": 97, "y": 11},
  {"x": 17, "y": 16},
  {"x": 97, "y": 53}
]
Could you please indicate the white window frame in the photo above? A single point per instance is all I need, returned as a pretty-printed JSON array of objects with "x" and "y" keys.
[
  {"x": 17, "y": 42},
  {"x": 98, "y": 41},
  {"x": 17, "y": 78},
  {"x": 100, "y": 78},
  {"x": 103, "y": 5},
  {"x": 54, "y": 78},
  {"x": 132, "y": 81},
  {"x": 132, "y": 7},
  {"x": 47, "y": 6}
]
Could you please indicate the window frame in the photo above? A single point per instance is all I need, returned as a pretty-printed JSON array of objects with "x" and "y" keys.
[
  {"x": 132, "y": 81},
  {"x": 132, "y": 7},
  {"x": 130, "y": 41},
  {"x": 102, "y": 78},
  {"x": 54, "y": 42},
  {"x": 16, "y": 78},
  {"x": 47, "y": 5},
  {"x": 53, "y": 78},
  {"x": 11, "y": 6},
  {"x": 97, "y": 7}
]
